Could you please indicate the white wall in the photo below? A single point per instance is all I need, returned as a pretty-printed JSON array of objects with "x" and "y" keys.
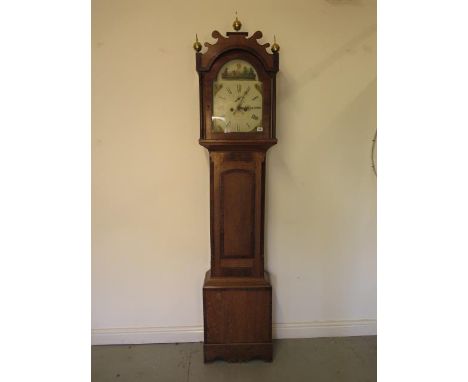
[{"x": 150, "y": 215}]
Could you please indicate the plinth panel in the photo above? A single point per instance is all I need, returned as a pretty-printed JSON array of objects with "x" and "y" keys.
[{"x": 237, "y": 318}]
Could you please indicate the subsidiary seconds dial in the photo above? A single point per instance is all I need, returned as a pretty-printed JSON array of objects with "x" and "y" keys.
[{"x": 237, "y": 99}]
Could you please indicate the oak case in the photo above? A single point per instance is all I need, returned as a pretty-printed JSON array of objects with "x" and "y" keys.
[{"x": 237, "y": 291}]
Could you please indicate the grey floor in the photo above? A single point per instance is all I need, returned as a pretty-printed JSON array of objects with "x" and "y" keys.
[{"x": 347, "y": 359}]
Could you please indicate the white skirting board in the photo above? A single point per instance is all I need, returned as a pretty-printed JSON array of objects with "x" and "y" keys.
[{"x": 312, "y": 329}]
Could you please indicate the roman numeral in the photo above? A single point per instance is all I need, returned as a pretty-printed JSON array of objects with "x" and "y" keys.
[
  {"x": 239, "y": 88},
  {"x": 254, "y": 117},
  {"x": 229, "y": 90}
]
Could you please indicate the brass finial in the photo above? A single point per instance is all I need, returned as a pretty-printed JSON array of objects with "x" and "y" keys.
[
  {"x": 236, "y": 24},
  {"x": 196, "y": 45},
  {"x": 275, "y": 47}
]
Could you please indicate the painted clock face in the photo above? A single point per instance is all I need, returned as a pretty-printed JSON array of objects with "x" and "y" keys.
[{"x": 237, "y": 99}]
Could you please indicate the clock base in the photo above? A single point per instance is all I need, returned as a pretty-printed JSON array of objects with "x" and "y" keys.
[
  {"x": 238, "y": 352},
  {"x": 237, "y": 318}
]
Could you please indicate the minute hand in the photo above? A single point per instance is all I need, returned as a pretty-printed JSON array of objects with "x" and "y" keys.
[{"x": 242, "y": 98}]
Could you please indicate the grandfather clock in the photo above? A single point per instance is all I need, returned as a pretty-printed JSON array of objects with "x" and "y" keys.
[{"x": 237, "y": 125}]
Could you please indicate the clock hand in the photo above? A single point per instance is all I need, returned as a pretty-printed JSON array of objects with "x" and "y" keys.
[
  {"x": 242, "y": 96},
  {"x": 242, "y": 99}
]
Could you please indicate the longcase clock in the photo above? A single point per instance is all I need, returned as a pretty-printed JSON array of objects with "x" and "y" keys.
[{"x": 237, "y": 125}]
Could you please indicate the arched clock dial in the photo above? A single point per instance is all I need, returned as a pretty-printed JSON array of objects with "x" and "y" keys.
[{"x": 237, "y": 99}]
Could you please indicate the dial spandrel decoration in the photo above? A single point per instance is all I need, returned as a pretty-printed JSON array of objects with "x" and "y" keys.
[{"x": 237, "y": 99}]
